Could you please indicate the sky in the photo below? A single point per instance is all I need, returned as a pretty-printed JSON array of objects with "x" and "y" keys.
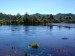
[{"x": 37, "y": 6}]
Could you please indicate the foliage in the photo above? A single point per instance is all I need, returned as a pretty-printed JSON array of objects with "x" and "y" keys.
[
  {"x": 36, "y": 19},
  {"x": 35, "y": 45}
]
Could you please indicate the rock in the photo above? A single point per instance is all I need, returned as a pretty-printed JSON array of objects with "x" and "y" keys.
[
  {"x": 25, "y": 54},
  {"x": 65, "y": 38}
]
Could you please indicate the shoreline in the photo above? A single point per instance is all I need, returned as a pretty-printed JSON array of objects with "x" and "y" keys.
[{"x": 72, "y": 25}]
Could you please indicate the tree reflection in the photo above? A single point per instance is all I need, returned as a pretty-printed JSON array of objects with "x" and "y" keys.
[
  {"x": 59, "y": 27},
  {"x": 26, "y": 28},
  {"x": 51, "y": 27},
  {"x": 15, "y": 28},
  {"x": 67, "y": 27}
]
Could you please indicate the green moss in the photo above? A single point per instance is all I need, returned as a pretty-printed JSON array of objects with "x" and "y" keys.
[{"x": 35, "y": 45}]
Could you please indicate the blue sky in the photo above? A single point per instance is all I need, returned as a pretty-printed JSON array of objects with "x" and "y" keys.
[{"x": 37, "y": 6}]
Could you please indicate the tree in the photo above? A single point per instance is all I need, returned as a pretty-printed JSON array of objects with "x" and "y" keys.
[
  {"x": 51, "y": 18},
  {"x": 60, "y": 19},
  {"x": 26, "y": 19},
  {"x": 19, "y": 18},
  {"x": 68, "y": 19}
]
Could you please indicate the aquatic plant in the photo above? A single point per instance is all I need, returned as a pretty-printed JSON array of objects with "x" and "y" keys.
[{"x": 34, "y": 45}]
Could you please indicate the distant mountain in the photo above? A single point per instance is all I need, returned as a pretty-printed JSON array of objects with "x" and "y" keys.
[
  {"x": 36, "y": 18},
  {"x": 64, "y": 15},
  {"x": 37, "y": 14},
  {"x": 45, "y": 15}
]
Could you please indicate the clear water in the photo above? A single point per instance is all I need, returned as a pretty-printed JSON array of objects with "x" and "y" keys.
[{"x": 15, "y": 40}]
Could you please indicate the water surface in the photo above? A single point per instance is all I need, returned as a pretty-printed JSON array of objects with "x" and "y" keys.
[{"x": 15, "y": 40}]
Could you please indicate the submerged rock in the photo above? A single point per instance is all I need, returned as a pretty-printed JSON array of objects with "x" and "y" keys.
[
  {"x": 65, "y": 38},
  {"x": 25, "y": 54},
  {"x": 13, "y": 47}
]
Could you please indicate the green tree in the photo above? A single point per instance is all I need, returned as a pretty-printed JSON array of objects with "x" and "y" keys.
[{"x": 51, "y": 18}]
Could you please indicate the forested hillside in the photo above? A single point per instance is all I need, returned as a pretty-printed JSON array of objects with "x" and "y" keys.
[{"x": 37, "y": 18}]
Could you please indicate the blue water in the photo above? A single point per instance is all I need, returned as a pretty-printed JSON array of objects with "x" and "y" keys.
[{"x": 15, "y": 40}]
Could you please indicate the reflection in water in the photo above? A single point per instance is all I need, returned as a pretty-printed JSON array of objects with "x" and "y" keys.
[
  {"x": 65, "y": 38},
  {"x": 64, "y": 27},
  {"x": 59, "y": 27},
  {"x": 67, "y": 27},
  {"x": 51, "y": 27},
  {"x": 50, "y": 43},
  {"x": 26, "y": 28},
  {"x": 15, "y": 28}
]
